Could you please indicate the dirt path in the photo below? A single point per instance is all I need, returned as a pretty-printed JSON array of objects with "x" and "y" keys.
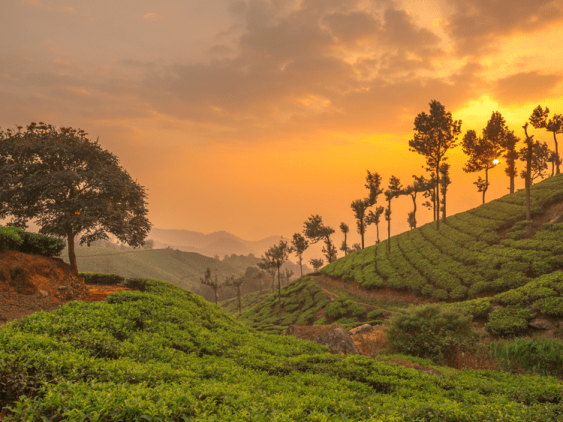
[{"x": 333, "y": 296}]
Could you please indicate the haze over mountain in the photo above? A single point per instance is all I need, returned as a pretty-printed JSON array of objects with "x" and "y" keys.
[{"x": 217, "y": 243}]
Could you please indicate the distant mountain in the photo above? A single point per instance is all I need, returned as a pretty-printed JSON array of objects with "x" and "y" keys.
[{"x": 217, "y": 243}]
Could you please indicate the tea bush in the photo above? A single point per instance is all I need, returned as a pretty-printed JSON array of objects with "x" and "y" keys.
[
  {"x": 101, "y": 278},
  {"x": 429, "y": 331},
  {"x": 509, "y": 321}
]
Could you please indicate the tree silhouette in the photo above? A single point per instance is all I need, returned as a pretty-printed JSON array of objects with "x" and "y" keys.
[
  {"x": 375, "y": 218},
  {"x": 70, "y": 186},
  {"x": 445, "y": 181},
  {"x": 300, "y": 244},
  {"x": 315, "y": 230},
  {"x": 538, "y": 119},
  {"x": 360, "y": 206},
  {"x": 430, "y": 195},
  {"x": 373, "y": 183},
  {"x": 482, "y": 153},
  {"x": 420, "y": 184},
  {"x": 540, "y": 158},
  {"x": 528, "y": 153},
  {"x": 275, "y": 256},
  {"x": 316, "y": 263},
  {"x": 236, "y": 282},
  {"x": 212, "y": 282},
  {"x": 435, "y": 134},
  {"x": 510, "y": 155},
  {"x": 287, "y": 274},
  {"x": 393, "y": 190},
  {"x": 269, "y": 269},
  {"x": 344, "y": 229}
]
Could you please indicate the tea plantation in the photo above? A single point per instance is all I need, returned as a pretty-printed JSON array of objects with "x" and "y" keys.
[{"x": 165, "y": 354}]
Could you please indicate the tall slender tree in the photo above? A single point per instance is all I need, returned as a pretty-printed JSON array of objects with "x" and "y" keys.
[
  {"x": 316, "y": 263},
  {"x": 315, "y": 230},
  {"x": 236, "y": 283},
  {"x": 528, "y": 155},
  {"x": 360, "y": 206},
  {"x": 300, "y": 244},
  {"x": 375, "y": 218},
  {"x": 420, "y": 184},
  {"x": 393, "y": 190},
  {"x": 435, "y": 134},
  {"x": 540, "y": 158},
  {"x": 445, "y": 181},
  {"x": 373, "y": 183},
  {"x": 510, "y": 155},
  {"x": 538, "y": 119},
  {"x": 211, "y": 281},
  {"x": 344, "y": 229},
  {"x": 276, "y": 256},
  {"x": 483, "y": 154}
]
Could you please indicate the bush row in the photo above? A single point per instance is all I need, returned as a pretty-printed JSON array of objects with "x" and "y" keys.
[{"x": 31, "y": 243}]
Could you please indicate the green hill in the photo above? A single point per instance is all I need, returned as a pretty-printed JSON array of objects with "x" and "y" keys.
[
  {"x": 488, "y": 262},
  {"x": 166, "y": 354}
]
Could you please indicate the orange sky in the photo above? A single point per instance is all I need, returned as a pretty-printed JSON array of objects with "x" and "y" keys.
[{"x": 249, "y": 116}]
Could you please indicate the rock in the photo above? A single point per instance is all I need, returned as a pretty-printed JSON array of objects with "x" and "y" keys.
[
  {"x": 366, "y": 328},
  {"x": 333, "y": 336},
  {"x": 62, "y": 287},
  {"x": 541, "y": 324},
  {"x": 43, "y": 293}
]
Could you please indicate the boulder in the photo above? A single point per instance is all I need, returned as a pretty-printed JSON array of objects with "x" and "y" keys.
[
  {"x": 366, "y": 328},
  {"x": 541, "y": 324},
  {"x": 333, "y": 336}
]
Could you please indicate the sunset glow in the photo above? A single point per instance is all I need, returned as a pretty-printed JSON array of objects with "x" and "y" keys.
[{"x": 248, "y": 116}]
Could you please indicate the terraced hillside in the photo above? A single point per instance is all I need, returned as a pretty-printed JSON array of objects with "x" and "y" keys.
[
  {"x": 166, "y": 354},
  {"x": 483, "y": 251}
]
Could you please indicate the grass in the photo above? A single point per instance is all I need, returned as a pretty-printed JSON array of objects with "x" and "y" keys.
[{"x": 166, "y": 354}]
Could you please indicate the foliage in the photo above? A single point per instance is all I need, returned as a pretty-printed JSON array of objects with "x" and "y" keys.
[
  {"x": 429, "y": 331},
  {"x": 31, "y": 243},
  {"x": 299, "y": 245},
  {"x": 211, "y": 281},
  {"x": 538, "y": 356},
  {"x": 316, "y": 263},
  {"x": 70, "y": 186},
  {"x": 101, "y": 278},
  {"x": 341, "y": 308},
  {"x": 166, "y": 354},
  {"x": 360, "y": 206},
  {"x": 315, "y": 230},
  {"x": 508, "y": 322}
]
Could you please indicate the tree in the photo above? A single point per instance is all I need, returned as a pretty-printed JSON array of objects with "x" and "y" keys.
[
  {"x": 300, "y": 244},
  {"x": 527, "y": 175},
  {"x": 538, "y": 119},
  {"x": 344, "y": 229},
  {"x": 315, "y": 230},
  {"x": 373, "y": 183},
  {"x": 359, "y": 206},
  {"x": 420, "y": 184},
  {"x": 445, "y": 181},
  {"x": 316, "y": 263},
  {"x": 267, "y": 267},
  {"x": 236, "y": 282},
  {"x": 253, "y": 275},
  {"x": 375, "y": 218},
  {"x": 149, "y": 244},
  {"x": 393, "y": 190},
  {"x": 435, "y": 134},
  {"x": 430, "y": 195},
  {"x": 212, "y": 282},
  {"x": 287, "y": 274},
  {"x": 70, "y": 186},
  {"x": 510, "y": 155},
  {"x": 540, "y": 158},
  {"x": 276, "y": 256},
  {"x": 483, "y": 155},
  {"x": 356, "y": 247}
]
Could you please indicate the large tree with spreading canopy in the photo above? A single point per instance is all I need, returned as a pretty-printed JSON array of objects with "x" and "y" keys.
[{"x": 70, "y": 186}]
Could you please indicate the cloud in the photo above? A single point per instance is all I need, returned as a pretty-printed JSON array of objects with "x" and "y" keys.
[
  {"x": 152, "y": 17},
  {"x": 475, "y": 25},
  {"x": 525, "y": 87}
]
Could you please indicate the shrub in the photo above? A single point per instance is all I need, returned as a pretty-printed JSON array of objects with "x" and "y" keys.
[
  {"x": 509, "y": 321},
  {"x": 102, "y": 279},
  {"x": 375, "y": 313},
  {"x": 320, "y": 321},
  {"x": 137, "y": 283},
  {"x": 552, "y": 306},
  {"x": 341, "y": 308},
  {"x": 429, "y": 331},
  {"x": 30, "y": 243}
]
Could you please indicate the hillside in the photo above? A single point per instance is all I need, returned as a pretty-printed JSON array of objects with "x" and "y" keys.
[
  {"x": 166, "y": 354},
  {"x": 183, "y": 269},
  {"x": 488, "y": 262}
]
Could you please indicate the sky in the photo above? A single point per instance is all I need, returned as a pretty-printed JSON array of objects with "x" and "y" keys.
[{"x": 250, "y": 115}]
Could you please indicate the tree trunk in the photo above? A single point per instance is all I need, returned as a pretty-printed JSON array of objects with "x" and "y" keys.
[
  {"x": 389, "y": 230},
  {"x": 239, "y": 302},
  {"x": 215, "y": 291},
  {"x": 301, "y": 264},
  {"x": 486, "y": 183},
  {"x": 438, "y": 194},
  {"x": 345, "y": 248},
  {"x": 363, "y": 230},
  {"x": 279, "y": 288},
  {"x": 511, "y": 184},
  {"x": 377, "y": 228},
  {"x": 414, "y": 208},
  {"x": 556, "y": 152},
  {"x": 71, "y": 253},
  {"x": 444, "y": 207}
]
